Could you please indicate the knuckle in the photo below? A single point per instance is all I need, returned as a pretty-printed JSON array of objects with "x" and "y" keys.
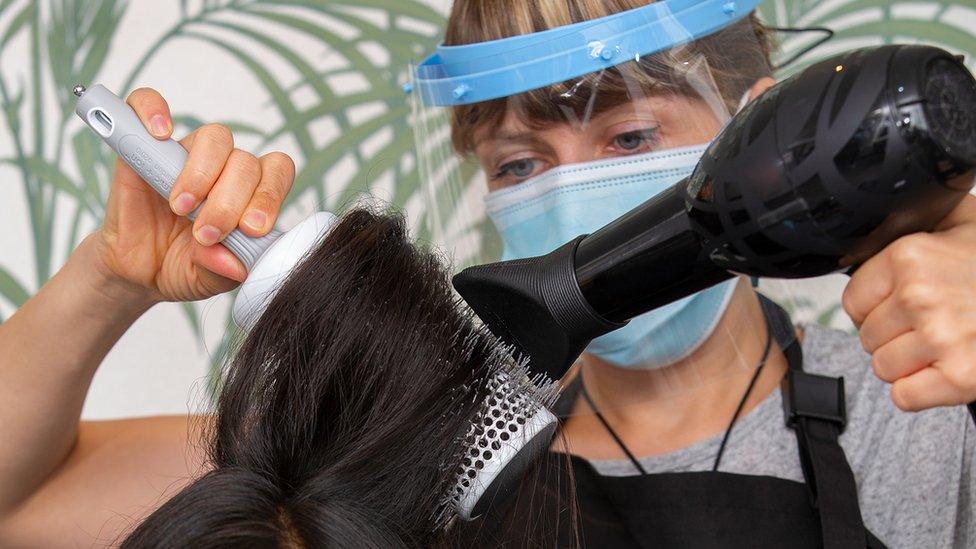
[
  {"x": 879, "y": 365},
  {"x": 143, "y": 93},
  {"x": 959, "y": 375},
  {"x": 864, "y": 334},
  {"x": 200, "y": 178},
  {"x": 853, "y": 300},
  {"x": 939, "y": 336},
  {"x": 902, "y": 397},
  {"x": 847, "y": 301},
  {"x": 267, "y": 198},
  {"x": 908, "y": 252},
  {"x": 245, "y": 163},
  {"x": 282, "y": 163},
  {"x": 146, "y": 101},
  {"x": 918, "y": 295},
  {"x": 222, "y": 215},
  {"x": 217, "y": 134}
]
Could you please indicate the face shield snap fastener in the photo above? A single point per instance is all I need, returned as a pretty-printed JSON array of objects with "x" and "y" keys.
[
  {"x": 599, "y": 50},
  {"x": 460, "y": 91},
  {"x": 729, "y": 8},
  {"x": 408, "y": 88},
  {"x": 596, "y": 49}
]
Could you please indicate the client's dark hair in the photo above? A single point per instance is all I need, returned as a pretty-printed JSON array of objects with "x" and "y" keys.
[{"x": 340, "y": 415}]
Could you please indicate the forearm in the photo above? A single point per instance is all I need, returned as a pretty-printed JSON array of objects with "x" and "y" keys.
[{"x": 49, "y": 352}]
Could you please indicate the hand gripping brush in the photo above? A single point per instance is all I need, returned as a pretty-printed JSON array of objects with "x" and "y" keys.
[
  {"x": 268, "y": 259},
  {"x": 513, "y": 425}
]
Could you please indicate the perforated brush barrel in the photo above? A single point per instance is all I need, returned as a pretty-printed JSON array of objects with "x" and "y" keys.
[{"x": 512, "y": 429}]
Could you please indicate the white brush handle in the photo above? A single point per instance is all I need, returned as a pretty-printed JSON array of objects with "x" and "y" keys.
[{"x": 157, "y": 161}]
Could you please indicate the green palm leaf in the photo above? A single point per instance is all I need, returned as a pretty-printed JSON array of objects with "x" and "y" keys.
[
  {"x": 69, "y": 41},
  {"x": 78, "y": 39},
  {"x": 864, "y": 22},
  {"x": 19, "y": 22},
  {"x": 383, "y": 88},
  {"x": 11, "y": 289}
]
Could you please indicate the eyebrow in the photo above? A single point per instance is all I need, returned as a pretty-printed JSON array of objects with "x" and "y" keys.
[
  {"x": 527, "y": 137},
  {"x": 513, "y": 136}
]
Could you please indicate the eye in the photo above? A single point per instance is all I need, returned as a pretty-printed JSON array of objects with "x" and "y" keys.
[
  {"x": 520, "y": 168},
  {"x": 517, "y": 171},
  {"x": 636, "y": 141}
]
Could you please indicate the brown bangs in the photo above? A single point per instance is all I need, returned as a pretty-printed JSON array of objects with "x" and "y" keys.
[{"x": 737, "y": 57}]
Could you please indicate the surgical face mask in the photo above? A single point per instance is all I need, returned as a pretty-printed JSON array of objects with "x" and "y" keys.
[{"x": 544, "y": 212}]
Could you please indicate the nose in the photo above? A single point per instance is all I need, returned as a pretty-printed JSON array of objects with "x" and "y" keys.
[{"x": 574, "y": 147}]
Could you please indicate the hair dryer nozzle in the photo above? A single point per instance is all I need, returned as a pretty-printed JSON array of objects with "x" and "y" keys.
[{"x": 536, "y": 306}]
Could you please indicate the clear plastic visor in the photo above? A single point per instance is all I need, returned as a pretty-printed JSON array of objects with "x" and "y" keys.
[
  {"x": 488, "y": 165},
  {"x": 518, "y": 176}
]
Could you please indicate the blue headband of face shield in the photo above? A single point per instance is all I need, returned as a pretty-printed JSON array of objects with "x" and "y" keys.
[{"x": 460, "y": 75}]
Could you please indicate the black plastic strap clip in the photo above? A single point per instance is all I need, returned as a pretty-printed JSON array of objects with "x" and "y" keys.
[{"x": 814, "y": 396}]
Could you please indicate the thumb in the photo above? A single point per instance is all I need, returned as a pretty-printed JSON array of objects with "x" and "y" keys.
[{"x": 220, "y": 261}]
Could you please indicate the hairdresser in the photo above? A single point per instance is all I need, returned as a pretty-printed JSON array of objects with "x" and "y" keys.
[
  {"x": 674, "y": 426},
  {"x": 64, "y": 482}
]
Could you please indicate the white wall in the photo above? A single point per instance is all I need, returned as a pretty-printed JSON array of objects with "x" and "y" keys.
[{"x": 160, "y": 365}]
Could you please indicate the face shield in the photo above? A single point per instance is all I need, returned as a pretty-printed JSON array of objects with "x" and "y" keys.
[{"x": 525, "y": 143}]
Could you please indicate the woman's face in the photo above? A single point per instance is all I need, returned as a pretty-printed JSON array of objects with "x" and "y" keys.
[{"x": 516, "y": 152}]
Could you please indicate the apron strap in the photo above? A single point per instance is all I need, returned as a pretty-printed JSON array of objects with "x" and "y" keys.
[{"x": 816, "y": 410}]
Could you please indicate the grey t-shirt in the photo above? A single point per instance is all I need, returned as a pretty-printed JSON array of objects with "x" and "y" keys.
[{"x": 914, "y": 471}]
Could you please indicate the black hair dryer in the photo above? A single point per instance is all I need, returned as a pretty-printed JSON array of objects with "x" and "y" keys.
[{"x": 815, "y": 176}]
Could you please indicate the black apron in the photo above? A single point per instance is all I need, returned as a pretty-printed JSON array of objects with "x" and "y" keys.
[{"x": 702, "y": 509}]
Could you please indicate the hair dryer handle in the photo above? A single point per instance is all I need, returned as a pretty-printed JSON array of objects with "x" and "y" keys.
[{"x": 157, "y": 161}]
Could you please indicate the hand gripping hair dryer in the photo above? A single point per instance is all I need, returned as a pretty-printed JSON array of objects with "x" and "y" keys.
[{"x": 815, "y": 176}]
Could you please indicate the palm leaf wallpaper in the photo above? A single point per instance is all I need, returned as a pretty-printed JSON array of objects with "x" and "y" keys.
[{"x": 319, "y": 79}]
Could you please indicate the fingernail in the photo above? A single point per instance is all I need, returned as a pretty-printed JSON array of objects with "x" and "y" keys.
[
  {"x": 208, "y": 235},
  {"x": 184, "y": 204},
  {"x": 159, "y": 125},
  {"x": 255, "y": 219}
]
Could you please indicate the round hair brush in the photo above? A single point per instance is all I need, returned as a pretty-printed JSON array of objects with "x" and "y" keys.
[
  {"x": 512, "y": 428},
  {"x": 513, "y": 425},
  {"x": 268, "y": 259}
]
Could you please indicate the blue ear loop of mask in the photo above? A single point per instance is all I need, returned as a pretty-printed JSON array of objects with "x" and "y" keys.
[{"x": 540, "y": 214}]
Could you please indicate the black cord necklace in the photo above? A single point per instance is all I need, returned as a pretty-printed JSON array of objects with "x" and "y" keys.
[{"x": 728, "y": 430}]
